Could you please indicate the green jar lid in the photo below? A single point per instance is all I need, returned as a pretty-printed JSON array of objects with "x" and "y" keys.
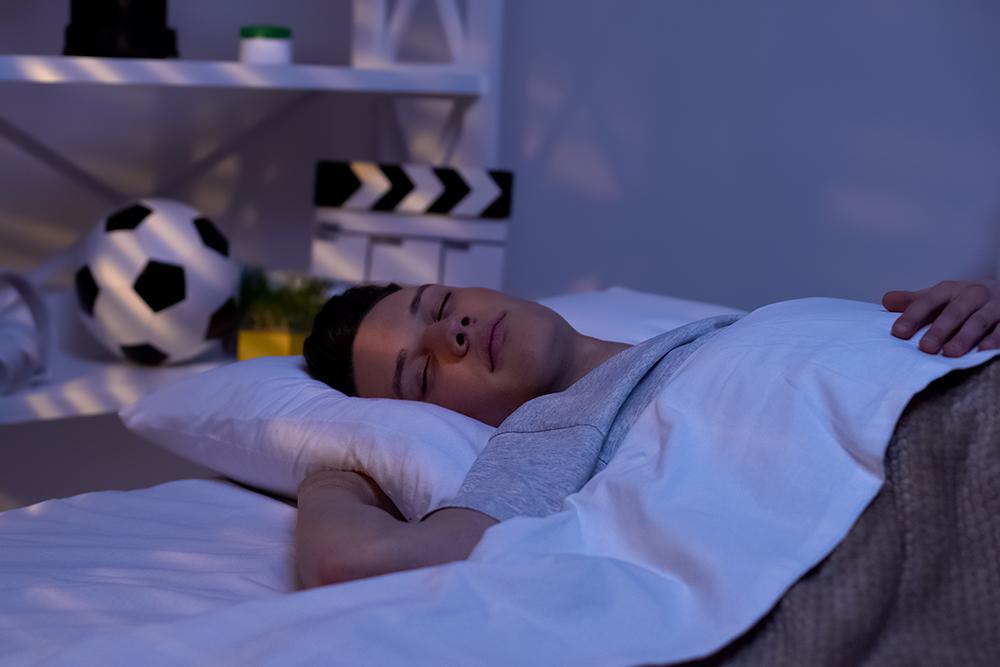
[{"x": 267, "y": 31}]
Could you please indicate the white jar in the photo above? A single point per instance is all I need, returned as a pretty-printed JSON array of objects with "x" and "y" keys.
[{"x": 265, "y": 45}]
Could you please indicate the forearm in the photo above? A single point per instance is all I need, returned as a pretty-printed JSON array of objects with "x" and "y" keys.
[
  {"x": 447, "y": 535},
  {"x": 338, "y": 537},
  {"x": 346, "y": 530}
]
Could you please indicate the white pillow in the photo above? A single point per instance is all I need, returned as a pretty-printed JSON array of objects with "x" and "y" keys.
[
  {"x": 625, "y": 315},
  {"x": 267, "y": 423}
]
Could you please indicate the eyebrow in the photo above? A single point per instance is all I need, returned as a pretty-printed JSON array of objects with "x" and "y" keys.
[{"x": 397, "y": 378}]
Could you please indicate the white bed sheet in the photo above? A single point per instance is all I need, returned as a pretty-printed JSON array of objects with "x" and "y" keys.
[{"x": 101, "y": 562}]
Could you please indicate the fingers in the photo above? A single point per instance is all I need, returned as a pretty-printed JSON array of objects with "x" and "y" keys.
[
  {"x": 327, "y": 477},
  {"x": 961, "y": 314},
  {"x": 979, "y": 324},
  {"x": 316, "y": 469},
  {"x": 896, "y": 301},
  {"x": 992, "y": 341},
  {"x": 960, "y": 310},
  {"x": 921, "y": 309}
]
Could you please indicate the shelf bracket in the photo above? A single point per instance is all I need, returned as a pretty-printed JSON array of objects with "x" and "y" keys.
[
  {"x": 59, "y": 163},
  {"x": 207, "y": 162},
  {"x": 465, "y": 130}
]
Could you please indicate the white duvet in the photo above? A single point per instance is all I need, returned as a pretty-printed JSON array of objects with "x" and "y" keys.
[{"x": 750, "y": 466}]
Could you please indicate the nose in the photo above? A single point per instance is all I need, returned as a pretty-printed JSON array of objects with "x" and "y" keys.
[{"x": 449, "y": 337}]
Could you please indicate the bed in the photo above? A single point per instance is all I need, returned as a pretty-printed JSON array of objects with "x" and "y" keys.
[{"x": 202, "y": 571}]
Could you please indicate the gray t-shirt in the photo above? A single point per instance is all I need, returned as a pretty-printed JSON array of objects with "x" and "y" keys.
[{"x": 552, "y": 445}]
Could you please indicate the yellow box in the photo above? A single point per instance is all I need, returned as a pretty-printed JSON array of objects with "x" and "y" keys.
[{"x": 268, "y": 343}]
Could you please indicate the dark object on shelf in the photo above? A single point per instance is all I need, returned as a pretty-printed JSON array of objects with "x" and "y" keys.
[{"x": 120, "y": 29}]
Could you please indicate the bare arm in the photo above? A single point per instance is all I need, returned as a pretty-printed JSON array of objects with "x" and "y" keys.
[
  {"x": 349, "y": 529},
  {"x": 962, "y": 315}
]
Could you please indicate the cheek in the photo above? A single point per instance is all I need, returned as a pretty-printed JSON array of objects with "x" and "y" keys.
[
  {"x": 457, "y": 389},
  {"x": 474, "y": 396},
  {"x": 527, "y": 357}
]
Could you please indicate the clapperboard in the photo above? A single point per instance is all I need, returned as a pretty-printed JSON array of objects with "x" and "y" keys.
[{"x": 410, "y": 224}]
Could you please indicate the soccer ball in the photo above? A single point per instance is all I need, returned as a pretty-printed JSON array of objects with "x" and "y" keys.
[{"x": 157, "y": 283}]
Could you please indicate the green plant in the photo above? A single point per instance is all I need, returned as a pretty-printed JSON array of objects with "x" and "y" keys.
[{"x": 280, "y": 301}]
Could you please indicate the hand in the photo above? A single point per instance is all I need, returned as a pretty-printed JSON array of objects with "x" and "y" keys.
[
  {"x": 963, "y": 312},
  {"x": 330, "y": 478},
  {"x": 358, "y": 486},
  {"x": 341, "y": 532}
]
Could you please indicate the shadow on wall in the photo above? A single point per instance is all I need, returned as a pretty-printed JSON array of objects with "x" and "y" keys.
[{"x": 746, "y": 153}]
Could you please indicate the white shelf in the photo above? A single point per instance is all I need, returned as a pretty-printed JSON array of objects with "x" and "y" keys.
[
  {"x": 424, "y": 80},
  {"x": 84, "y": 379}
]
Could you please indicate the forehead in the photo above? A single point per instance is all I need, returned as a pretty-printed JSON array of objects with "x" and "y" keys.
[{"x": 387, "y": 328}]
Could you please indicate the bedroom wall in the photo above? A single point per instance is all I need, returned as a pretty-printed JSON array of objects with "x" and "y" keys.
[{"x": 747, "y": 152}]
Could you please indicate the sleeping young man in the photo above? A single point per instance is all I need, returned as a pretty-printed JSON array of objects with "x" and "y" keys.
[{"x": 485, "y": 354}]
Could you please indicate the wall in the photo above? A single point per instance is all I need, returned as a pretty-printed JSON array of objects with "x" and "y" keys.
[{"x": 747, "y": 152}]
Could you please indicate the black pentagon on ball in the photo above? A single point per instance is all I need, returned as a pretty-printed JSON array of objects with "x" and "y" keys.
[
  {"x": 223, "y": 320},
  {"x": 160, "y": 285},
  {"x": 127, "y": 218},
  {"x": 144, "y": 354},
  {"x": 211, "y": 236},
  {"x": 86, "y": 290}
]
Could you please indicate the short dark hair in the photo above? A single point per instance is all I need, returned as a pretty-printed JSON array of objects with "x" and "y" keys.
[{"x": 327, "y": 349}]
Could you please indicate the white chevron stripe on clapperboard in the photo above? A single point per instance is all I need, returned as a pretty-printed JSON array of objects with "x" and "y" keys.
[
  {"x": 374, "y": 184},
  {"x": 484, "y": 192},
  {"x": 427, "y": 187}
]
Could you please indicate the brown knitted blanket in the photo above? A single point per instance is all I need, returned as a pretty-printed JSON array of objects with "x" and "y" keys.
[{"x": 917, "y": 579}]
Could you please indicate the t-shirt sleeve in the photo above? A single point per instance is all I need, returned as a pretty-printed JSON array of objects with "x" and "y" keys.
[{"x": 529, "y": 474}]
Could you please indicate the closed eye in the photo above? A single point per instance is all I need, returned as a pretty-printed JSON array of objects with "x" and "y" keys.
[
  {"x": 423, "y": 384},
  {"x": 440, "y": 314},
  {"x": 443, "y": 302}
]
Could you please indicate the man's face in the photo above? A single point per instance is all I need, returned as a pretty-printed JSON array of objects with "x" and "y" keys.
[{"x": 475, "y": 351}]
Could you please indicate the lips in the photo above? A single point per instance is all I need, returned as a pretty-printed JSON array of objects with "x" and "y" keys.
[{"x": 491, "y": 342}]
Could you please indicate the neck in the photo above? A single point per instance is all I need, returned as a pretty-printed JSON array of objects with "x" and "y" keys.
[{"x": 587, "y": 353}]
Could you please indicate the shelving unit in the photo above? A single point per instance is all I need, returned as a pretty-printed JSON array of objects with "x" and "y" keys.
[
  {"x": 466, "y": 132},
  {"x": 418, "y": 80}
]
